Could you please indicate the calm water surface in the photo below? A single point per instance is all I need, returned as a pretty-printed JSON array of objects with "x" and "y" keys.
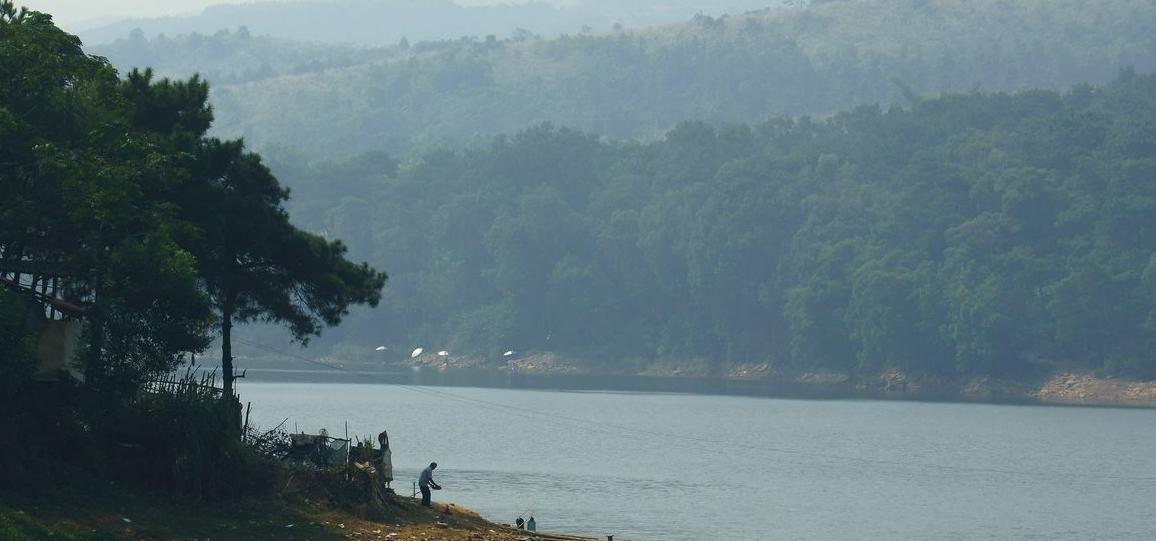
[{"x": 691, "y": 467}]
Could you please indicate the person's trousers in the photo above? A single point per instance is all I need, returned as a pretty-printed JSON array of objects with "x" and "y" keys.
[{"x": 425, "y": 496}]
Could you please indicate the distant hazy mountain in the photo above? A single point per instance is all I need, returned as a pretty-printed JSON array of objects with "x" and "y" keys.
[
  {"x": 385, "y": 22},
  {"x": 231, "y": 57},
  {"x": 637, "y": 84}
]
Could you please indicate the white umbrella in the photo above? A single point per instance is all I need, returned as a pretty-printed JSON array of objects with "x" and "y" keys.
[{"x": 415, "y": 353}]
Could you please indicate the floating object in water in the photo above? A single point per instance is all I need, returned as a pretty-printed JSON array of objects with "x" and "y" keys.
[
  {"x": 380, "y": 348},
  {"x": 415, "y": 353},
  {"x": 508, "y": 353},
  {"x": 443, "y": 353}
]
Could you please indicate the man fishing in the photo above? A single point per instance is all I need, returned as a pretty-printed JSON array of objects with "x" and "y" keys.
[{"x": 425, "y": 482}]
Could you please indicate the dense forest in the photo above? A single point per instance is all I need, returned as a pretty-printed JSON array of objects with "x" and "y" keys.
[
  {"x": 385, "y": 22},
  {"x": 807, "y": 60},
  {"x": 130, "y": 239},
  {"x": 975, "y": 233},
  {"x": 699, "y": 200},
  {"x": 126, "y": 228}
]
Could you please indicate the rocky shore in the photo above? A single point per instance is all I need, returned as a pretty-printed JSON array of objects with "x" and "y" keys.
[{"x": 1068, "y": 388}]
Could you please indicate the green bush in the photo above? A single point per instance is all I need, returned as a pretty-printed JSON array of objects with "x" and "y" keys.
[
  {"x": 16, "y": 418},
  {"x": 178, "y": 433},
  {"x": 15, "y": 348}
]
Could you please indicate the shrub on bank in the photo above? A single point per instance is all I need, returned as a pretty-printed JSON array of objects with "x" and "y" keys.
[
  {"x": 175, "y": 435},
  {"x": 178, "y": 433}
]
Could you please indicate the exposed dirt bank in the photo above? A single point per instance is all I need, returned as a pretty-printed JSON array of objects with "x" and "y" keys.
[
  {"x": 1058, "y": 388},
  {"x": 100, "y": 513},
  {"x": 1069, "y": 388}
]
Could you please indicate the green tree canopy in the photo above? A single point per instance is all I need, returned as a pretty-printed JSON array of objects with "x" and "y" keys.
[
  {"x": 84, "y": 193},
  {"x": 115, "y": 185},
  {"x": 975, "y": 233}
]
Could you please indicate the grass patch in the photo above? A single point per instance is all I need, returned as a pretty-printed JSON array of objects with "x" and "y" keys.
[{"x": 115, "y": 514}]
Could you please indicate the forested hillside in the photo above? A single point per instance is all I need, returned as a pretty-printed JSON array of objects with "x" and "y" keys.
[
  {"x": 978, "y": 232},
  {"x": 975, "y": 233},
  {"x": 814, "y": 60}
]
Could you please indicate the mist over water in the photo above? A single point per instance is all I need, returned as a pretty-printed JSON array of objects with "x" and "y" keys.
[{"x": 689, "y": 467}]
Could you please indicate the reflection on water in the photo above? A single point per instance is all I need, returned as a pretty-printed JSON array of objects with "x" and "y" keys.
[{"x": 686, "y": 467}]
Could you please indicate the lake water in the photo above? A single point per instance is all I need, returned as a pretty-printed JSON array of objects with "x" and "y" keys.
[{"x": 694, "y": 467}]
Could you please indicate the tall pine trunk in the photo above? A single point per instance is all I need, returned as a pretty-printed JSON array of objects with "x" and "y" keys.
[
  {"x": 228, "y": 306},
  {"x": 227, "y": 344}
]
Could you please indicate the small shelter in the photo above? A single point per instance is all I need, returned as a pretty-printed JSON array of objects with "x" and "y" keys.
[
  {"x": 320, "y": 450},
  {"x": 57, "y": 323}
]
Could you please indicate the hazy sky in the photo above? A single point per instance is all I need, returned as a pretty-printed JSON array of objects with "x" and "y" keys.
[{"x": 73, "y": 11}]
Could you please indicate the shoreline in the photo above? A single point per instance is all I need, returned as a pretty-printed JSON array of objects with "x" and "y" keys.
[
  {"x": 76, "y": 513},
  {"x": 1061, "y": 389}
]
